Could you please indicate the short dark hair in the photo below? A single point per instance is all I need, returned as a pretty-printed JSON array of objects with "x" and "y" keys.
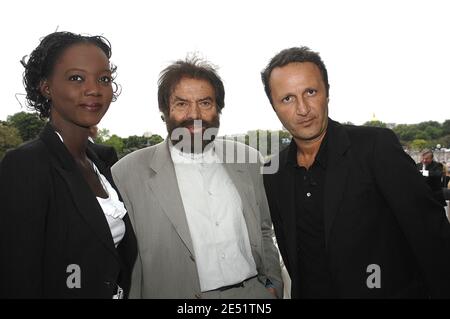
[
  {"x": 291, "y": 55},
  {"x": 193, "y": 68},
  {"x": 42, "y": 60},
  {"x": 427, "y": 151}
]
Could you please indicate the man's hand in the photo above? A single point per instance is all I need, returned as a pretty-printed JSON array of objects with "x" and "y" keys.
[{"x": 273, "y": 292}]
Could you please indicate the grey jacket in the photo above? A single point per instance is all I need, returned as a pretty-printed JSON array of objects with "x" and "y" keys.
[{"x": 165, "y": 267}]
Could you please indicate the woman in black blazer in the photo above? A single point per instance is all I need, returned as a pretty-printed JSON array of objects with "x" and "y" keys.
[{"x": 64, "y": 232}]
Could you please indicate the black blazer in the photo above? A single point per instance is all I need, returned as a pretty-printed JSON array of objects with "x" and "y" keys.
[
  {"x": 378, "y": 210},
  {"x": 434, "y": 179},
  {"x": 435, "y": 171},
  {"x": 49, "y": 220}
]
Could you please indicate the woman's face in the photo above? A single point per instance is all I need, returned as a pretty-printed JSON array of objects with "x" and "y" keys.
[{"x": 80, "y": 87}]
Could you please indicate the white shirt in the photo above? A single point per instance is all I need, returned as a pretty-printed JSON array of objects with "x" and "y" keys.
[
  {"x": 113, "y": 209},
  {"x": 215, "y": 218}
]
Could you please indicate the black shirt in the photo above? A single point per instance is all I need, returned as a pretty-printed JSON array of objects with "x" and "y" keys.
[{"x": 315, "y": 277}]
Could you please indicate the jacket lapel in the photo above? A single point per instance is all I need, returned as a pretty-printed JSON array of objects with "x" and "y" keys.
[
  {"x": 83, "y": 198},
  {"x": 127, "y": 249},
  {"x": 164, "y": 186},
  {"x": 286, "y": 189},
  {"x": 336, "y": 176}
]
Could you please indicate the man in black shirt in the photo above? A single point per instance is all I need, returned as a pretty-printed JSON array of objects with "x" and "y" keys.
[
  {"x": 432, "y": 172},
  {"x": 352, "y": 215},
  {"x": 309, "y": 187}
]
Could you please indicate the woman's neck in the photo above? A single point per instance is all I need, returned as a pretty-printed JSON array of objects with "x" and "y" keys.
[{"x": 75, "y": 138}]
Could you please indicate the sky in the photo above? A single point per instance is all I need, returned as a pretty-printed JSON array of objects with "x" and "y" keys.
[{"x": 388, "y": 58}]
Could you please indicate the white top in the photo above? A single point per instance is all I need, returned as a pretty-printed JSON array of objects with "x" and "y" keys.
[
  {"x": 112, "y": 207},
  {"x": 216, "y": 222}
]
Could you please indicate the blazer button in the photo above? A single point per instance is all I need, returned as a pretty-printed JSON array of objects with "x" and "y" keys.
[{"x": 198, "y": 296}]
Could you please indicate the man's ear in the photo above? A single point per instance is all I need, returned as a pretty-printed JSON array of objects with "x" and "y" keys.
[{"x": 45, "y": 89}]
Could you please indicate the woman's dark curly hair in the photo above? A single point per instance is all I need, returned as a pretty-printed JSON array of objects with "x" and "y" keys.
[{"x": 42, "y": 61}]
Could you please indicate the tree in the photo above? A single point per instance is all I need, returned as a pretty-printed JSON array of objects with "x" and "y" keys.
[
  {"x": 446, "y": 128},
  {"x": 155, "y": 139},
  {"x": 134, "y": 142},
  {"x": 433, "y": 132},
  {"x": 9, "y": 138},
  {"x": 444, "y": 141},
  {"x": 424, "y": 125},
  {"x": 422, "y": 135},
  {"x": 406, "y": 132},
  {"x": 29, "y": 125},
  {"x": 116, "y": 142},
  {"x": 102, "y": 136},
  {"x": 419, "y": 144},
  {"x": 375, "y": 123}
]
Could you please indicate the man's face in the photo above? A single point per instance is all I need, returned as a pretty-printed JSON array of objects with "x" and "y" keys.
[
  {"x": 192, "y": 100},
  {"x": 427, "y": 159},
  {"x": 300, "y": 100}
]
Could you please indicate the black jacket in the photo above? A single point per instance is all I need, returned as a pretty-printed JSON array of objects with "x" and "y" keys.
[
  {"x": 50, "y": 220},
  {"x": 434, "y": 179},
  {"x": 435, "y": 171},
  {"x": 378, "y": 210}
]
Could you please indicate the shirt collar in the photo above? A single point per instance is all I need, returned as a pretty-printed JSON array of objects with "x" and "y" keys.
[
  {"x": 321, "y": 157},
  {"x": 208, "y": 156}
]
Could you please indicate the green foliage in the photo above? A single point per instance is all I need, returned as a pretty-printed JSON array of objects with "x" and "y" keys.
[
  {"x": 432, "y": 132},
  {"x": 102, "y": 136},
  {"x": 28, "y": 124},
  {"x": 422, "y": 126},
  {"x": 419, "y": 144},
  {"x": 129, "y": 144},
  {"x": 155, "y": 139},
  {"x": 9, "y": 138},
  {"x": 134, "y": 142},
  {"x": 24, "y": 126},
  {"x": 375, "y": 124},
  {"x": 444, "y": 141},
  {"x": 446, "y": 127},
  {"x": 116, "y": 142},
  {"x": 406, "y": 132},
  {"x": 284, "y": 134}
]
